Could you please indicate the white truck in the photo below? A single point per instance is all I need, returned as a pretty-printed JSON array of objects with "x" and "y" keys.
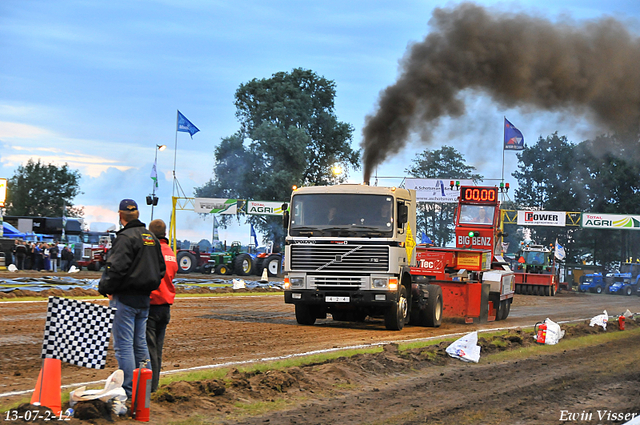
[{"x": 348, "y": 252}]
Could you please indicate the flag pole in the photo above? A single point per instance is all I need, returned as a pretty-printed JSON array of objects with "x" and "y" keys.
[
  {"x": 503, "y": 135},
  {"x": 175, "y": 151}
]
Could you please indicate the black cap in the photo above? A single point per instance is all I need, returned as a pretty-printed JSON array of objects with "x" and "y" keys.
[{"x": 128, "y": 205}]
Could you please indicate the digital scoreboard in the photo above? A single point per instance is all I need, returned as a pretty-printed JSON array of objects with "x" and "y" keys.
[{"x": 479, "y": 195}]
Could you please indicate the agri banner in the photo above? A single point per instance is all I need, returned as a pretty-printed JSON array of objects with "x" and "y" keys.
[
  {"x": 215, "y": 205},
  {"x": 435, "y": 190},
  {"x": 264, "y": 208},
  {"x": 610, "y": 221},
  {"x": 542, "y": 218}
]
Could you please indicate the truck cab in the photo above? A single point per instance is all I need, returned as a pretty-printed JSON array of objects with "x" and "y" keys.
[{"x": 348, "y": 253}]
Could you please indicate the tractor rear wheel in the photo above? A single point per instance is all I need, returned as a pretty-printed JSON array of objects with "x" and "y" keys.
[
  {"x": 272, "y": 263},
  {"x": 243, "y": 265},
  {"x": 186, "y": 262}
]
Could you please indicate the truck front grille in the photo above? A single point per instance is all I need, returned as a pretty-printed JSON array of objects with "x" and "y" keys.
[
  {"x": 337, "y": 281},
  {"x": 339, "y": 258}
]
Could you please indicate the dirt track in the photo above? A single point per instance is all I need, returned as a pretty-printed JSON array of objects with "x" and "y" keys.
[{"x": 206, "y": 331}]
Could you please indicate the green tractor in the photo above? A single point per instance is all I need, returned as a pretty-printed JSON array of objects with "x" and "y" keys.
[{"x": 231, "y": 262}]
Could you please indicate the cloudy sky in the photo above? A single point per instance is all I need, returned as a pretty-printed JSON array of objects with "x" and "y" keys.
[{"x": 96, "y": 85}]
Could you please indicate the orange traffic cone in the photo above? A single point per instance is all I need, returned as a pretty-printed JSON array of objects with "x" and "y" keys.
[{"x": 47, "y": 391}]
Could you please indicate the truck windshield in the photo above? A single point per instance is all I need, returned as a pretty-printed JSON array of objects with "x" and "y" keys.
[
  {"x": 476, "y": 214},
  {"x": 342, "y": 215}
]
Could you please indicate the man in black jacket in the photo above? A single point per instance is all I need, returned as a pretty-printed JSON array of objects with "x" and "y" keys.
[{"x": 135, "y": 267}]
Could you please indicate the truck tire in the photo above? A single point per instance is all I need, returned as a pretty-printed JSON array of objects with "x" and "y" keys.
[
  {"x": 258, "y": 264},
  {"x": 507, "y": 310},
  {"x": 305, "y": 315},
  {"x": 598, "y": 289},
  {"x": 547, "y": 291},
  {"x": 186, "y": 262},
  {"x": 222, "y": 269},
  {"x": 396, "y": 314},
  {"x": 433, "y": 313},
  {"x": 272, "y": 263},
  {"x": 340, "y": 316},
  {"x": 243, "y": 265},
  {"x": 628, "y": 291}
]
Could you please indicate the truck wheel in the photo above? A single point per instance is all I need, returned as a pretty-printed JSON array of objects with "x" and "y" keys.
[
  {"x": 305, "y": 315},
  {"x": 340, "y": 316},
  {"x": 222, "y": 269},
  {"x": 395, "y": 315},
  {"x": 598, "y": 289},
  {"x": 628, "y": 291},
  {"x": 272, "y": 263},
  {"x": 243, "y": 265},
  {"x": 186, "y": 262},
  {"x": 547, "y": 291},
  {"x": 507, "y": 308},
  {"x": 433, "y": 312},
  {"x": 518, "y": 289}
]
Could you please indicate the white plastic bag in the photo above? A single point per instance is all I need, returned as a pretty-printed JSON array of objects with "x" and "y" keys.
[
  {"x": 554, "y": 333},
  {"x": 12, "y": 268},
  {"x": 465, "y": 348},
  {"x": 112, "y": 390},
  {"x": 238, "y": 284},
  {"x": 628, "y": 315},
  {"x": 73, "y": 269},
  {"x": 600, "y": 320}
]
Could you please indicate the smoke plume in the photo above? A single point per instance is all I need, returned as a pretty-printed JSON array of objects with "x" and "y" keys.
[{"x": 518, "y": 60}]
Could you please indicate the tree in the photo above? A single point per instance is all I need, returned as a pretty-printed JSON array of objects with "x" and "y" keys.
[
  {"x": 597, "y": 176},
  {"x": 436, "y": 219},
  {"x": 289, "y": 136},
  {"x": 43, "y": 190}
]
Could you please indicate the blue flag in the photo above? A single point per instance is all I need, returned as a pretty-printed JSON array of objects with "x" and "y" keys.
[
  {"x": 253, "y": 235},
  {"x": 513, "y": 138},
  {"x": 185, "y": 125},
  {"x": 426, "y": 239}
]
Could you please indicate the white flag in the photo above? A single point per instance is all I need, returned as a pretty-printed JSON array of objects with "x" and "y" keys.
[{"x": 154, "y": 174}]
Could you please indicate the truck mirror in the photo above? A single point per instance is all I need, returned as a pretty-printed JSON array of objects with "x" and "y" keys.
[
  {"x": 403, "y": 214},
  {"x": 285, "y": 220}
]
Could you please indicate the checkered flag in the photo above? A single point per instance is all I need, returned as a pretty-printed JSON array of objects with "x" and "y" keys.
[{"x": 77, "y": 332}]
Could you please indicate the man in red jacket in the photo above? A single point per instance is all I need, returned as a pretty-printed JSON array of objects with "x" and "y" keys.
[{"x": 161, "y": 300}]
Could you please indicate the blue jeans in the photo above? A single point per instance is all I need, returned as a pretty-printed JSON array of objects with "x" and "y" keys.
[{"x": 129, "y": 339}]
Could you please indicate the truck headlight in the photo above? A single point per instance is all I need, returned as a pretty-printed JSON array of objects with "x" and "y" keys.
[
  {"x": 380, "y": 282},
  {"x": 296, "y": 282}
]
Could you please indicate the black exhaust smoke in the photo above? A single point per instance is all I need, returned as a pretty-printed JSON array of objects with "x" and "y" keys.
[{"x": 518, "y": 60}]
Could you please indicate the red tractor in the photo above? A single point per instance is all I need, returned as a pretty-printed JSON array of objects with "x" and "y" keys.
[{"x": 95, "y": 257}]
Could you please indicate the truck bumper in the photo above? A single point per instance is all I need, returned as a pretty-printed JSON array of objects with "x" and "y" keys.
[{"x": 338, "y": 298}]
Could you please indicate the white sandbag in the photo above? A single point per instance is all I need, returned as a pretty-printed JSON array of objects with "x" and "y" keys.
[
  {"x": 238, "y": 284},
  {"x": 112, "y": 390},
  {"x": 554, "y": 333},
  {"x": 12, "y": 268},
  {"x": 600, "y": 320},
  {"x": 465, "y": 348},
  {"x": 73, "y": 269}
]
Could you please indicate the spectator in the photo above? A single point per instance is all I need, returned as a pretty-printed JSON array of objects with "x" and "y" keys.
[
  {"x": 66, "y": 258},
  {"x": 21, "y": 253},
  {"x": 53, "y": 255},
  {"x": 135, "y": 266},
  {"x": 161, "y": 301}
]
